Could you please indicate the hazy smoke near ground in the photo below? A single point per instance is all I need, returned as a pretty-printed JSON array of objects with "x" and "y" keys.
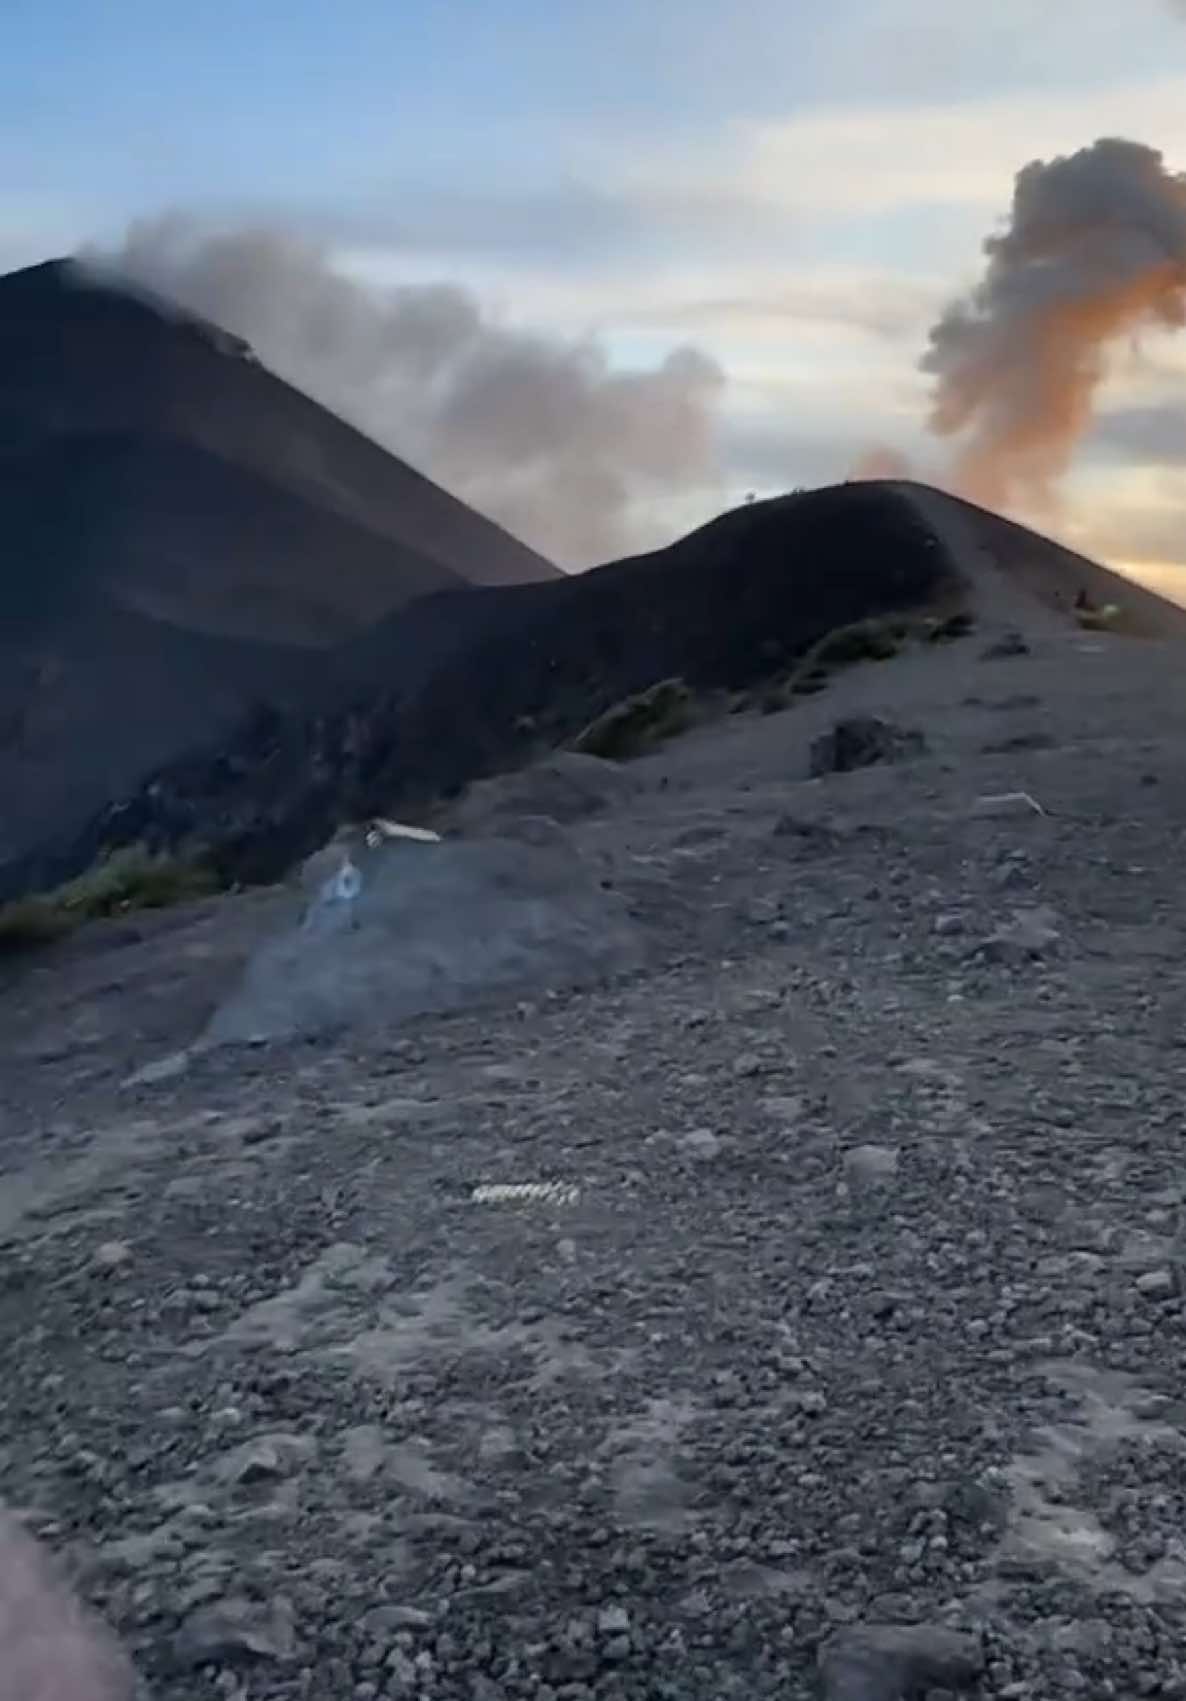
[
  {"x": 542, "y": 435},
  {"x": 1095, "y": 250},
  {"x": 51, "y": 1649}
]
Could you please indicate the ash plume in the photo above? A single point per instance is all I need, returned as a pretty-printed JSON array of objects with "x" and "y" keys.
[
  {"x": 1094, "y": 251},
  {"x": 543, "y": 435}
]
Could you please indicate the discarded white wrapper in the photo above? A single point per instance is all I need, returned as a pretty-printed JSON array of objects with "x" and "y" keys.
[
  {"x": 379, "y": 830},
  {"x": 1008, "y": 799},
  {"x": 508, "y": 1192}
]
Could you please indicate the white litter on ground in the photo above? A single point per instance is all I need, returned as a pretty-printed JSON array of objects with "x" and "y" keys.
[
  {"x": 380, "y": 830},
  {"x": 515, "y": 1192},
  {"x": 1006, "y": 801}
]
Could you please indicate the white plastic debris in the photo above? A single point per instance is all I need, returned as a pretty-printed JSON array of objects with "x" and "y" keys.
[
  {"x": 536, "y": 1192},
  {"x": 334, "y": 904},
  {"x": 1009, "y": 803},
  {"x": 380, "y": 830},
  {"x": 345, "y": 885}
]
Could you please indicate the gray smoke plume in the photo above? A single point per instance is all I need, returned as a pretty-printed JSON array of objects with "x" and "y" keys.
[
  {"x": 542, "y": 435},
  {"x": 1094, "y": 250}
]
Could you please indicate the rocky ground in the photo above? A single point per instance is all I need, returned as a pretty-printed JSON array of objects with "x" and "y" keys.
[{"x": 671, "y": 1338}]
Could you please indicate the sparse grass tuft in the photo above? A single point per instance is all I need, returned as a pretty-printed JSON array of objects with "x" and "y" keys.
[
  {"x": 637, "y": 724},
  {"x": 1105, "y": 619},
  {"x": 877, "y": 639},
  {"x": 26, "y": 923},
  {"x": 952, "y": 626},
  {"x": 133, "y": 878}
]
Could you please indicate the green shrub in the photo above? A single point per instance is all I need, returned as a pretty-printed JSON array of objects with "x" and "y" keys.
[
  {"x": 26, "y": 923},
  {"x": 133, "y": 878},
  {"x": 950, "y": 627},
  {"x": 1103, "y": 619},
  {"x": 864, "y": 640},
  {"x": 639, "y": 723},
  {"x": 876, "y": 639}
]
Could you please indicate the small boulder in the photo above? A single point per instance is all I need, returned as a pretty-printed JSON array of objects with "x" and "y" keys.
[
  {"x": 111, "y": 1255},
  {"x": 265, "y": 1457},
  {"x": 861, "y": 741},
  {"x": 234, "y": 1632},
  {"x": 701, "y": 1143},
  {"x": 1032, "y": 933},
  {"x": 871, "y": 1164},
  {"x": 1008, "y": 644},
  {"x": 897, "y": 1662}
]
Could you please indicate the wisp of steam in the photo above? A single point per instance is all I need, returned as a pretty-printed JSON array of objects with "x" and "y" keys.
[
  {"x": 1094, "y": 250},
  {"x": 544, "y": 435}
]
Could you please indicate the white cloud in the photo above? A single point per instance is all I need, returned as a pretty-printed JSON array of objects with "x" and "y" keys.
[{"x": 845, "y": 161}]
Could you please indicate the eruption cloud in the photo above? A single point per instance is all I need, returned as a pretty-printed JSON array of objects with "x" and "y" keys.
[
  {"x": 543, "y": 435},
  {"x": 1094, "y": 250}
]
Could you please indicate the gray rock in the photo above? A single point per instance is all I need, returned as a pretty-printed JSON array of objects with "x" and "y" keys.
[
  {"x": 1031, "y": 933},
  {"x": 784, "y": 1107},
  {"x": 860, "y": 742},
  {"x": 762, "y": 912},
  {"x": 701, "y": 1143},
  {"x": 871, "y": 1163},
  {"x": 892, "y": 1662},
  {"x": 1008, "y": 644},
  {"x": 613, "y": 1621},
  {"x": 749, "y": 1063},
  {"x": 164, "y": 1069},
  {"x": 1156, "y": 1284},
  {"x": 111, "y": 1255},
  {"x": 264, "y": 1457},
  {"x": 234, "y": 1631}
]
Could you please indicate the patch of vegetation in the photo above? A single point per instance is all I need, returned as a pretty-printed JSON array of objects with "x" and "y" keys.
[
  {"x": 877, "y": 639},
  {"x": 26, "y": 923},
  {"x": 864, "y": 640},
  {"x": 947, "y": 629},
  {"x": 1105, "y": 619},
  {"x": 638, "y": 724},
  {"x": 133, "y": 878}
]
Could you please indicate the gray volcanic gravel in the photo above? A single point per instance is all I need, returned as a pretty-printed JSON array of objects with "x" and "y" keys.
[{"x": 854, "y": 1317}]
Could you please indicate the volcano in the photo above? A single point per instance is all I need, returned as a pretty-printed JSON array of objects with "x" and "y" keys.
[
  {"x": 229, "y": 617},
  {"x": 186, "y": 538}
]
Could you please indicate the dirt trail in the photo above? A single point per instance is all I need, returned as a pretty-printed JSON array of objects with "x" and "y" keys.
[
  {"x": 634, "y": 1343},
  {"x": 999, "y": 598}
]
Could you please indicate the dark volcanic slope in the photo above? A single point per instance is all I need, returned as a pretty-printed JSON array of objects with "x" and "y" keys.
[
  {"x": 1051, "y": 574},
  {"x": 463, "y": 684},
  {"x": 459, "y": 685},
  {"x": 180, "y": 531},
  {"x": 192, "y": 474},
  {"x": 854, "y": 1295}
]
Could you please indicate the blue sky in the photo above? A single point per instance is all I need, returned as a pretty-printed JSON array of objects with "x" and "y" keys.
[{"x": 795, "y": 188}]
